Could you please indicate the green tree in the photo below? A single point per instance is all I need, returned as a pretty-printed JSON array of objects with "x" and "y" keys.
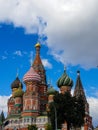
[
  {"x": 79, "y": 111},
  {"x": 48, "y": 126},
  {"x": 68, "y": 109},
  {"x": 32, "y": 127},
  {"x": 2, "y": 118}
]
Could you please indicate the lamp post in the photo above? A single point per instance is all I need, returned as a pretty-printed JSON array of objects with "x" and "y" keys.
[{"x": 55, "y": 112}]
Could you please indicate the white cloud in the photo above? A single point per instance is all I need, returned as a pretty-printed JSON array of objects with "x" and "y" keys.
[
  {"x": 72, "y": 26},
  {"x": 18, "y": 53},
  {"x": 3, "y": 103},
  {"x": 93, "y": 103},
  {"x": 46, "y": 63}
]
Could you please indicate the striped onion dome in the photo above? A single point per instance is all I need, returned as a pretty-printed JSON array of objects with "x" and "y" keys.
[
  {"x": 64, "y": 80},
  {"x": 31, "y": 75}
]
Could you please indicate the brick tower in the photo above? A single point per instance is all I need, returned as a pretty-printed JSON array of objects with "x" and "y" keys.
[
  {"x": 79, "y": 91},
  {"x": 31, "y": 99},
  {"x": 39, "y": 68}
]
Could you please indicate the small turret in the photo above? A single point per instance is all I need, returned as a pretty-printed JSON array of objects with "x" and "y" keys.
[
  {"x": 16, "y": 84},
  {"x": 51, "y": 92}
]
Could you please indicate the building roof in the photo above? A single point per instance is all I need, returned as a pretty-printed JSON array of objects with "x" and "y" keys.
[
  {"x": 79, "y": 91},
  {"x": 16, "y": 83},
  {"x": 31, "y": 75}
]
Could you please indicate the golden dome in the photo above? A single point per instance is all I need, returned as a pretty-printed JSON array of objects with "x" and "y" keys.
[{"x": 38, "y": 45}]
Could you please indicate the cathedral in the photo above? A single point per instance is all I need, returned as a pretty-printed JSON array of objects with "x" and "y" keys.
[{"x": 29, "y": 107}]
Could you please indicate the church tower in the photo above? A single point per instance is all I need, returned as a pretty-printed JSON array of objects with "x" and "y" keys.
[
  {"x": 31, "y": 99},
  {"x": 29, "y": 106},
  {"x": 79, "y": 92},
  {"x": 39, "y": 68},
  {"x": 15, "y": 102}
]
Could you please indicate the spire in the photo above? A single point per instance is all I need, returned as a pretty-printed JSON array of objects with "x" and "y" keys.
[
  {"x": 49, "y": 83},
  {"x": 37, "y": 60},
  {"x": 17, "y": 72},
  {"x": 64, "y": 68},
  {"x": 37, "y": 64},
  {"x": 79, "y": 91},
  {"x": 31, "y": 58},
  {"x": 31, "y": 62}
]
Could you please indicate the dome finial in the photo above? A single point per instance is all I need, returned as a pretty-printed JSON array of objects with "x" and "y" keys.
[
  {"x": 49, "y": 83},
  {"x": 78, "y": 72},
  {"x": 31, "y": 58},
  {"x": 64, "y": 68},
  {"x": 31, "y": 61},
  {"x": 17, "y": 72}
]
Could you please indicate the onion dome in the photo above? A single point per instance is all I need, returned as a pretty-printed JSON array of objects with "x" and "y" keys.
[
  {"x": 18, "y": 93},
  {"x": 51, "y": 91},
  {"x": 31, "y": 75},
  {"x": 64, "y": 80},
  {"x": 38, "y": 45},
  {"x": 16, "y": 83}
]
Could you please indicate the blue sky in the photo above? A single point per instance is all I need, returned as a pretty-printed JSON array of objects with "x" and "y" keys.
[{"x": 67, "y": 31}]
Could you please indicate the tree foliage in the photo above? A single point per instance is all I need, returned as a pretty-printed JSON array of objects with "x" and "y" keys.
[
  {"x": 2, "y": 118},
  {"x": 48, "y": 126},
  {"x": 68, "y": 108}
]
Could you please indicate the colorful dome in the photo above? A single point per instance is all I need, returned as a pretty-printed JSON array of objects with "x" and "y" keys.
[
  {"x": 18, "y": 93},
  {"x": 16, "y": 83},
  {"x": 51, "y": 91},
  {"x": 64, "y": 80},
  {"x": 31, "y": 75}
]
